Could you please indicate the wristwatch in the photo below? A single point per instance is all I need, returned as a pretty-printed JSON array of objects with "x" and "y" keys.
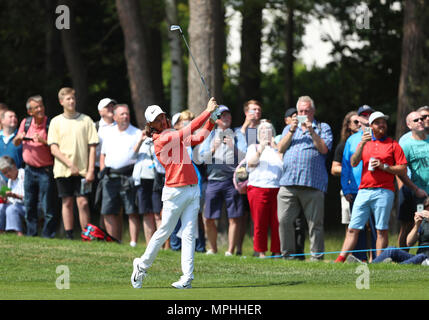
[{"x": 385, "y": 166}]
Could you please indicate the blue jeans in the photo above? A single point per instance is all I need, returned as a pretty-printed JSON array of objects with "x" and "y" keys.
[
  {"x": 176, "y": 242},
  {"x": 400, "y": 256},
  {"x": 39, "y": 187}
]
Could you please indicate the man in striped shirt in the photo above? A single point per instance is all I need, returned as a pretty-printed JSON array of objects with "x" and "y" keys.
[{"x": 305, "y": 144}]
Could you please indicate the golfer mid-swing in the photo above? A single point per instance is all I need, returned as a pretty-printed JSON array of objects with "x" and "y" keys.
[{"x": 181, "y": 194}]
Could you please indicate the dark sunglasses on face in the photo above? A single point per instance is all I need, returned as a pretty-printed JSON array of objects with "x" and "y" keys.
[
  {"x": 418, "y": 119},
  {"x": 425, "y": 116},
  {"x": 355, "y": 121}
]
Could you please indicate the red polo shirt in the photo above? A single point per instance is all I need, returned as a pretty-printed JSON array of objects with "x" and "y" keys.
[
  {"x": 170, "y": 149},
  {"x": 36, "y": 154},
  {"x": 389, "y": 152}
]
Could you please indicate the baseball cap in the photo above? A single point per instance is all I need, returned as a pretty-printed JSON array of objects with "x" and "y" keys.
[
  {"x": 175, "y": 118},
  {"x": 152, "y": 112},
  {"x": 289, "y": 112},
  {"x": 104, "y": 102},
  {"x": 377, "y": 115},
  {"x": 222, "y": 108},
  {"x": 365, "y": 108}
]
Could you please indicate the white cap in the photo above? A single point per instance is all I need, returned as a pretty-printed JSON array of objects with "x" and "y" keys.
[
  {"x": 175, "y": 118},
  {"x": 152, "y": 112},
  {"x": 377, "y": 115},
  {"x": 104, "y": 102}
]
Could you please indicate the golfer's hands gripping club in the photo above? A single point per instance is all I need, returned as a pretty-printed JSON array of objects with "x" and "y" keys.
[{"x": 212, "y": 107}]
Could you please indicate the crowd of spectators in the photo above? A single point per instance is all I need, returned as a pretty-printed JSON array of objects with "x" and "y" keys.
[{"x": 109, "y": 168}]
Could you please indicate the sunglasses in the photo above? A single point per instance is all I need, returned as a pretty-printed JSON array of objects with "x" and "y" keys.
[
  {"x": 355, "y": 121},
  {"x": 425, "y": 116},
  {"x": 418, "y": 119}
]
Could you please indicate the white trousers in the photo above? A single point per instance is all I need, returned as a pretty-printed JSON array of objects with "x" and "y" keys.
[{"x": 178, "y": 203}]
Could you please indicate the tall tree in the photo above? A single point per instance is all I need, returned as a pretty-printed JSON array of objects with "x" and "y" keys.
[
  {"x": 289, "y": 57},
  {"x": 74, "y": 60},
  {"x": 205, "y": 17},
  {"x": 251, "y": 34},
  {"x": 153, "y": 14},
  {"x": 136, "y": 56},
  {"x": 176, "y": 53},
  {"x": 410, "y": 83}
]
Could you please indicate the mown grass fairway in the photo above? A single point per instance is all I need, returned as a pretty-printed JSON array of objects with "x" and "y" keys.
[{"x": 102, "y": 271}]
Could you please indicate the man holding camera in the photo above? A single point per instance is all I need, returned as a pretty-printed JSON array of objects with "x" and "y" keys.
[
  {"x": 382, "y": 158},
  {"x": 415, "y": 145},
  {"x": 305, "y": 144},
  {"x": 220, "y": 153}
]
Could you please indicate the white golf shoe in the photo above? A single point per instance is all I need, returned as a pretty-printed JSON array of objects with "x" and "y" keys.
[
  {"x": 138, "y": 274},
  {"x": 183, "y": 283}
]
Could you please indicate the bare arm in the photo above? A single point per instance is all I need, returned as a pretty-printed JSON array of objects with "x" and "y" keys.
[
  {"x": 336, "y": 168},
  {"x": 317, "y": 140},
  {"x": 357, "y": 156},
  {"x": 413, "y": 236},
  {"x": 18, "y": 139},
  {"x": 285, "y": 142},
  {"x": 253, "y": 161},
  {"x": 403, "y": 178},
  {"x": 91, "y": 163}
]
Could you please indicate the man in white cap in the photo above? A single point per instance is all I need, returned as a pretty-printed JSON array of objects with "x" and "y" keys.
[
  {"x": 105, "y": 109},
  {"x": 382, "y": 158},
  {"x": 181, "y": 194}
]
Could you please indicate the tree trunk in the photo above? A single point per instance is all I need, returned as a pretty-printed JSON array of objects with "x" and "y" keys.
[
  {"x": 177, "y": 72},
  {"x": 411, "y": 66},
  {"x": 136, "y": 57},
  {"x": 54, "y": 63},
  {"x": 250, "y": 66},
  {"x": 74, "y": 60},
  {"x": 153, "y": 14},
  {"x": 205, "y": 16},
  {"x": 289, "y": 58}
]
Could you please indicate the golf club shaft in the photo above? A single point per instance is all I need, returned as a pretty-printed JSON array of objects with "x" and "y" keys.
[{"x": 196, "y": 66}]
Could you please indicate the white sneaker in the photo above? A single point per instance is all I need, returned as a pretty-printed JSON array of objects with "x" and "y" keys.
[
  {"x": 210, "y": 251},
  {"x": 183, "y": 283},
  {"x": 228, "y": 254},
  {"x": 425, "y": 262},
  {"x": 133, "y": 244},
  {"x": 138, "y": 274}
]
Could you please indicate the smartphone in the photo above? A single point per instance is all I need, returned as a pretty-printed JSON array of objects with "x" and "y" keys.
[
  {"x": 420, "y": 207},
  {"x": 367, "y": 129},
  {"x": 301, "y": 119},
  {"x": 27, "y": 139},
  {"x": 85, "y": 187}
]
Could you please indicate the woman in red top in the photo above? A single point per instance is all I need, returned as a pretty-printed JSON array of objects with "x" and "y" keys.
[{"x": 181, "y": 193}]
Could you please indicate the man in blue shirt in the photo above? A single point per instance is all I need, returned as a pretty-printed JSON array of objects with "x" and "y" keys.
[
  {"x": 305, "y": 144},
  {"x": 9, "y": 123},
  {"x": 351, "y": 176}
]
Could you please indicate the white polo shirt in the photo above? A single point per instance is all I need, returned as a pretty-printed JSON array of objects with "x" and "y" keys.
[
  {"x": 118, "y": 147},
  {"x": 103, "y": 126}
]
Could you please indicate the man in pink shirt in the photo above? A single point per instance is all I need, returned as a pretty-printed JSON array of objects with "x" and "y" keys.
[
  {"x": 181, "y": 194},
  {"x": 38, "y": 182}
]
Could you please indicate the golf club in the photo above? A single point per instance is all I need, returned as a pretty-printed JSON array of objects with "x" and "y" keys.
[{"x": 176, "y": 27}]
